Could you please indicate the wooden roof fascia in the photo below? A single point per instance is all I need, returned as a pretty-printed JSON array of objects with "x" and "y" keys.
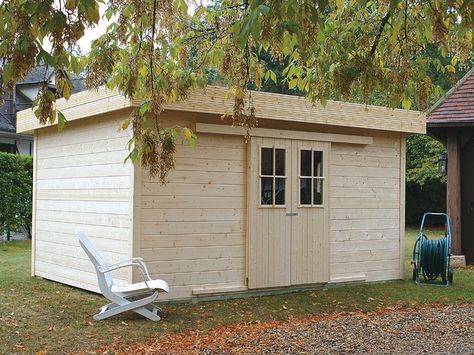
[
  {"x": 268, "y": 106},
  {"x": 81, "y": 105}
]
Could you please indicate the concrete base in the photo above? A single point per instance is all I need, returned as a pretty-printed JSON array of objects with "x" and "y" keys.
[{"x": 458, "y": 261}]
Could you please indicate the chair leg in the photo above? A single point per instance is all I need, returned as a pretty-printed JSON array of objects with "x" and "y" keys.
[
  {"x": 153, "y": 306},
  {"x": 114, "y": 308},
  {"x": 151, "y": 315}
]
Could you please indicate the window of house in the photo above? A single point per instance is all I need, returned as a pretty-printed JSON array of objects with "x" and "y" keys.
[
  {"x": 311, "y": 178},
  {"x": 272, "y": 176},
  {"x": 8, "y": 148}
]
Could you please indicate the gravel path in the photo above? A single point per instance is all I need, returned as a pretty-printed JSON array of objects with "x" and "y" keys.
[{"x": 448, "y": 329}]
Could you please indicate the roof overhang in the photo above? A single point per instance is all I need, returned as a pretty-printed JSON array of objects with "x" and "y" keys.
[
  {"x": 212, "y": 100},
  {"x": 451, "y": 123}
]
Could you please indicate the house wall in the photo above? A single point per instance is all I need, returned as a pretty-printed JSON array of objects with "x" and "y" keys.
[
  {"x": 367, "y": 209},
  {"x": 81, "y": 182},
  {"x": 24, "y": 145},
  {"x": 191, "y": 231}
]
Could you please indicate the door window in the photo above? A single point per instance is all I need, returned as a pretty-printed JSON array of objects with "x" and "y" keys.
[
  {"x": 311, "y": 178},
  {"x": 272, "y": 176}
]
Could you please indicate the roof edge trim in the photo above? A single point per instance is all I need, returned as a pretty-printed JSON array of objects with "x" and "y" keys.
[{"x": 212, "y": 100}]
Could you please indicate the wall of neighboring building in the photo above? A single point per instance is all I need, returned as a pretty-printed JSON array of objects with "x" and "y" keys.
[
  {"x": 81, "y": 182},
  {"x": 24, "y": 146}
]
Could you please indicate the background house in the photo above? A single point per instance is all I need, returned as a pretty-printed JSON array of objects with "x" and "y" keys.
[
  {"x": 20, "y": 99},
  {"x": 451, "y": 120}
]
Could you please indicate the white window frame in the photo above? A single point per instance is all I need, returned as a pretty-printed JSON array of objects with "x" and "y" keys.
[
  {"x": 274, "y": 177},
  {"x": 312, "y": 177}
]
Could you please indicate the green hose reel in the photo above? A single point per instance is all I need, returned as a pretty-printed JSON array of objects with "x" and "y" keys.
[{"x": 431, "y": 257}]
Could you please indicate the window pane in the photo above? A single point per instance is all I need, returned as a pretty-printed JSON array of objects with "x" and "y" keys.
[
  {"x": 318, "y": 192},
  {"x": 280, "y": 162},
  {"x": 279, "y": 191},
  {"x": 267, "y": 191},
  {"x": 305, "y": 162},
  {"x": 267, "y": 161},
  {"x": 305, "y": 191},
  {"x": 318, "y": 163}
]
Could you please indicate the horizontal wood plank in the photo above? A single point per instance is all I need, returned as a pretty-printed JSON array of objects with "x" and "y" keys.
[{"x": 285, "y": 134}]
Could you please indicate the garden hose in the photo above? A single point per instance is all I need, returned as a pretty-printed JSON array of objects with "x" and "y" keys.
[{"x": 434, "y": 258}]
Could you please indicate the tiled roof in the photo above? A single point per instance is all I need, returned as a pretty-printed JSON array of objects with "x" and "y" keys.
[
  {"x": 34, "y": 77},
  {"x": 37, "y": 75},
  {"x": 457, "y": 106}
]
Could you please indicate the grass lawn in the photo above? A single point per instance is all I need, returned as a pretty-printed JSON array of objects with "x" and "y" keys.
[{"x": 39, "y": 315}]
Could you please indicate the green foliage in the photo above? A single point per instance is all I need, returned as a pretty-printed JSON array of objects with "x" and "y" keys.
[
  {"x": 425, "y": 187},
  {"x": 16, "y": 183},
  {"x": 160, "y": 50}
]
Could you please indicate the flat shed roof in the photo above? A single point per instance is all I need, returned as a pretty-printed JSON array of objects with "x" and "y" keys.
[{"x": 212, "y": 100}]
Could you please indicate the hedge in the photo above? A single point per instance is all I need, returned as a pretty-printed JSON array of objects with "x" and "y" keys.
[
  {"x": 430, "y": 197},
  {"x": 16, "y": 186},
  {"x": 425, "y": 188}
]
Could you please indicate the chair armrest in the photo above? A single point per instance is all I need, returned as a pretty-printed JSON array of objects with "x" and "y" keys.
[
  {"x": 117, "y": 266},
  {"x": 127, "y": 263},
  {"x": 134, "y": 261}
]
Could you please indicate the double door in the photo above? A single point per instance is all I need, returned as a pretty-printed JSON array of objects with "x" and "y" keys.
[{"x": 288, "y": 212}]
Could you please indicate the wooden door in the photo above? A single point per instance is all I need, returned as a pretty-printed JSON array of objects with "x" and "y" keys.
[
  {"x": 269, "y": 231},
  {"x": 287, "y": 239},
  {"x": 310, "y": 213}
]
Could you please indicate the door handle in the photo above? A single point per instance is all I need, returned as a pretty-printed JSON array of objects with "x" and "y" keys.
[{"x": 291, "y": 213}]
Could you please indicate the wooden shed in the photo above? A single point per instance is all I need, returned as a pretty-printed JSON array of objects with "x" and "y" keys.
[
  {"x": 451, "y": 121},
  {"x": 316, "y": 196}
]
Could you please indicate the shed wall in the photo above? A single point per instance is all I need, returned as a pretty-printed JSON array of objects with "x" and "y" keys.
[
  {"x": 366, "y": 234},
  {"x": 192, "y": 230},
  {"x": 81, "y": 183}
]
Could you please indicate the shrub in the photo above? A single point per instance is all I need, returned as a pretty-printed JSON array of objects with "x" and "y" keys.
[
  {"x": 16, "y": 185},
  {"x": 425, "y": 188}
]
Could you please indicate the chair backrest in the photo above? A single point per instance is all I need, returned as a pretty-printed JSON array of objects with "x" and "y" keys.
[{"x": 104, "y": 279}]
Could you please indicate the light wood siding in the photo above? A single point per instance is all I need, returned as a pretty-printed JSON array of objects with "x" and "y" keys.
[
  {"x": 192, "y": 230},
  {"x": 365, "y": 236},
  {"x": 81, "y": 183}
]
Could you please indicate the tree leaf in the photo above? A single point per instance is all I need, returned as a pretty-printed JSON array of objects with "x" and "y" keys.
[
  {"x": 7, "y": 73},
  {"x": 292, "y": 84},
  {"x": 406, "y": 103},
  {"x": 393, "y": 5},
  {"x": 61, "y": 120}
]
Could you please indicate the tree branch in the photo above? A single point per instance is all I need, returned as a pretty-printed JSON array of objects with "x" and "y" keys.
[
  {"x": 153, "y": 47},
  {"x": 379, "y": 34}
]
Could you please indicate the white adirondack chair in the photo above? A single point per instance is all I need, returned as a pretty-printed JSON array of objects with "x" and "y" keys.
[{"x": 136, "y": 297}]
